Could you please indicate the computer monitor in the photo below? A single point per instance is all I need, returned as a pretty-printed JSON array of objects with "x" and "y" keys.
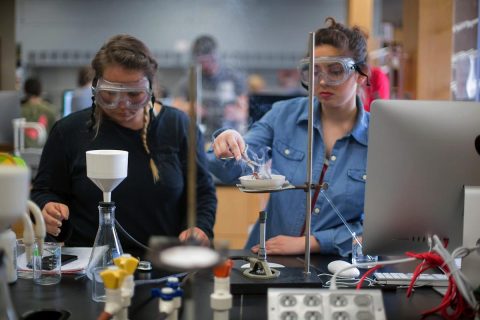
[
  {"x": 261, "y": 103},
  {"x": 9, "y": 110},
  {"x": 67, "y": 102},
  {"x": 421, "y": 154}
]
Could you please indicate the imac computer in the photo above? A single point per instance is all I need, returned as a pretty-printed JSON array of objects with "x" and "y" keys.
[{"x": 421, "y": 157}]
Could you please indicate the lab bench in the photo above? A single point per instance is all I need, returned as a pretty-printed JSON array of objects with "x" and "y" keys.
[{"x": 74, "y": 295}]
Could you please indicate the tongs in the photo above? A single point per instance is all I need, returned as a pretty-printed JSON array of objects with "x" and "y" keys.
[{"x": 251, "y": 164}]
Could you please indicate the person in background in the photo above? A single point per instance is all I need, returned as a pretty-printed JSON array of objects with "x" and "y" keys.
[
  {"x": 256, "y": 84},
  {"x": 379, "y": 87},
  {"x": 340, "y": 138},
  {"x": 224, "y": 101},
  {"x": 36, "y": 109},
  {"x": 152, "y": 199},
  {"x": 289, "y": 82},
  {"x": 82, "y": 95}
]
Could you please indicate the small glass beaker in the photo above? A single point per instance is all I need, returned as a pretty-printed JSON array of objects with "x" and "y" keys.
[
  {"x": 358, "y": 256},
  {"x": 47, "y": 264},
  {"x": 98, "y": 288},
  {"x": 24, "y": 263}
]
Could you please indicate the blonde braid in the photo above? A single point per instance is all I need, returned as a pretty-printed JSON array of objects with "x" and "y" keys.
[{"x": 153, "y": 166}]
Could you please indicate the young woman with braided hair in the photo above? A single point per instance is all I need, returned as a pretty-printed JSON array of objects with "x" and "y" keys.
[{"x": 123, "y": 116}]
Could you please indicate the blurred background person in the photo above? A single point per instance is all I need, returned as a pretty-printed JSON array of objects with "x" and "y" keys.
[
  {"x": 224, "y": 100},
  {"x": 36, "y": 109},
  {"x": 256, "y": 83},
  {"x": 379, "y": 87},
  {"x": 82, "y": 96},
  {"x": 289, "y": 82}
]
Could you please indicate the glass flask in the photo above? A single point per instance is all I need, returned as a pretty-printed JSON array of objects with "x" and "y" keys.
[{"x": 107, "y": 244}]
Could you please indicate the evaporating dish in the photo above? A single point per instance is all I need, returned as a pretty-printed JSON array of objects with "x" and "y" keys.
[{"x": 251, "y": 182}]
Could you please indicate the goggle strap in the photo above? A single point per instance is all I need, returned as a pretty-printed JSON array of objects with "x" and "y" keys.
[{"x": 357, "y": 68}]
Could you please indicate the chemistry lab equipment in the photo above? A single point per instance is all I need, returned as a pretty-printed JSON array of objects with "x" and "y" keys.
[
  {"x": 14, "y": 190},
  {"x": 259, "y": 268},
  {"x": 221, "y": 298},
  {"x": 112, "y": 278},
  {"x": 167, "y": 305},
  {"x": 308, "y": 186},
  {"x": 107, "y": 244},
  {"x": 174, "y": 283},
  {"x": 47, "y": 264},
  {"x": 107, "y": 169},
  {"x": 127, "y": 288}
]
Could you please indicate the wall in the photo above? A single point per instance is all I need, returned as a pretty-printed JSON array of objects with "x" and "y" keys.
[
  {"x": 253, "y": 34},
  {"x": 7, "y": 45}
]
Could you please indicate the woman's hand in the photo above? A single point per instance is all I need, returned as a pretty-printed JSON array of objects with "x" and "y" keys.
[
  {"x": 53, "y": 214},
  {"x": 229, "y": 143},
  {"x": 288, "y": 245},
  {"x": 197, "y": 234}
]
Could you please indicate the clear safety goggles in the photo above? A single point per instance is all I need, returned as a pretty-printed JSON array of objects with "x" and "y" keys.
[
  {"x": 332, "y": 70},
  {"x": 134, "y": 95}
]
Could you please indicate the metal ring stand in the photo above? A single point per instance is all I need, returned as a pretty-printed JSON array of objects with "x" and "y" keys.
[{"x": 308, "y": 186}]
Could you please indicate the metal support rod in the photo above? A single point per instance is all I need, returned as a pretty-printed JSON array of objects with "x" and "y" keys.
[
  {"x": 192, "y": 151},
  {"x": 311, "y": 91},
  {"x": 262, "y": 252}
]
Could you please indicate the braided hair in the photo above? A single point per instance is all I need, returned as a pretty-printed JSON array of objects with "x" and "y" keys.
[{"x": 130, "y": 53}]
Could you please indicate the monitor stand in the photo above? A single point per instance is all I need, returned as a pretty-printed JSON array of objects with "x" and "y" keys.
[{"x": 471, "y": 234}]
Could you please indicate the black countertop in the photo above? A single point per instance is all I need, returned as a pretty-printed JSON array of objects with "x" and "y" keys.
[{"x": 74, "y": 295}]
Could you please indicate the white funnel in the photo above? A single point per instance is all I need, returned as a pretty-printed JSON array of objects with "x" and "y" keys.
[
  {"x": 14, "y": 192},
  {"x": 107, "y": 168}
]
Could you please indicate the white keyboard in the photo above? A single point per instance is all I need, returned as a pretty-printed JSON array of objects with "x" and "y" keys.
[{"x": 403, "y": 279}]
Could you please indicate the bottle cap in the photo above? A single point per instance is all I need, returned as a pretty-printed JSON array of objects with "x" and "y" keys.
[
  {"x": 106, "y": 204},
  {"x": 144, "y": 265}
]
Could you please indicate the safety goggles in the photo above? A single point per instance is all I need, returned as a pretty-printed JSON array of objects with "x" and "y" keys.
[
  {"x": 332, "y": 70},
  {"x": 134, "y": 95}
]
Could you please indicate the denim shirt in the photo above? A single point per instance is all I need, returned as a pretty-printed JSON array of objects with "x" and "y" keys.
[{"x": 284, "y": 130}]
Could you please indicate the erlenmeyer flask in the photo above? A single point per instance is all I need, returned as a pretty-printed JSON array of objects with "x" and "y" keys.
[{"x": 107, "y": 245}]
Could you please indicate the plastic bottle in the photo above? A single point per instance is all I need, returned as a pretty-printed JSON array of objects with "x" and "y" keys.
[{"x": 8, "y": 243}]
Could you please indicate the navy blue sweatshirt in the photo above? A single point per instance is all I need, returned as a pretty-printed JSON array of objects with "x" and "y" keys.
[{"x": 143, "y": 208}]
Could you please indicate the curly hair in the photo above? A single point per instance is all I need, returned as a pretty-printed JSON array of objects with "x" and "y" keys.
[{"x": 352, "y": 42}]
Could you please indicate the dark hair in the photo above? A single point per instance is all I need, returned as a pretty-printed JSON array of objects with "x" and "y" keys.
[
  {"x": 32, "y": 87},
  {"x": 128, "y": 52},
  {"x": 85, "y": 76},
  {"x": 352, "y": 42},
  {"x": 203, "y": 45}
]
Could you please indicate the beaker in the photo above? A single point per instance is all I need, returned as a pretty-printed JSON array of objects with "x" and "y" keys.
[{"x": 107, "y": 244}]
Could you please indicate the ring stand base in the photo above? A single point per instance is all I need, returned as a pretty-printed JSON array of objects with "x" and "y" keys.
[
  {"x": 259, "y": 269},
  {"x": 288, "y": 277}
]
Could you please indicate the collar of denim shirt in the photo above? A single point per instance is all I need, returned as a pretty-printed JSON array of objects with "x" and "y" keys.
[{"x": 360, "y": 130}]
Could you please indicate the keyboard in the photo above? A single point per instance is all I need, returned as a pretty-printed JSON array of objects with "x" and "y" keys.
[{"x": 403, "y": 279}]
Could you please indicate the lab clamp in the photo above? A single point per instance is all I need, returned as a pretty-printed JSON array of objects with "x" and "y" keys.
[{"x": 119, "y": 287}]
